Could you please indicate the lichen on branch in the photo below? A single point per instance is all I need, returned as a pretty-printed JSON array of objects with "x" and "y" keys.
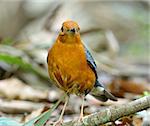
[{"x": 113, "y": 113}]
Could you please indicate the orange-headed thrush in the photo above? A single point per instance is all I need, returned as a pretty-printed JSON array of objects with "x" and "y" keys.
[{"x": 72, "y": 68}]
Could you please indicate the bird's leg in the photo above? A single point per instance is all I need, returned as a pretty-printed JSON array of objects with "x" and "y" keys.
[
  {"x": 60, "y": 120},
  {"x": 82, "y": 107}
]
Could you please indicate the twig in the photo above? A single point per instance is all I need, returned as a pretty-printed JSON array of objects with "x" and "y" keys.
[
  {"x": 113, "y": 44},
  {"x": 50, "y": 19},
  {"x": 113, "y": 113},
  {"x": 16, "y": 106},
  {"x": 91, "y": 30}
]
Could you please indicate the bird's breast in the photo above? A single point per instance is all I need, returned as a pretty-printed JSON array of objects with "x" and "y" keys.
[
  {"x": 69, "y": 56},
  {"x": 68, "y": 66}
]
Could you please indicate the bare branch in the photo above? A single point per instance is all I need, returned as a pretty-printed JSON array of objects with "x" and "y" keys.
[{"x": 113, "y": 113}]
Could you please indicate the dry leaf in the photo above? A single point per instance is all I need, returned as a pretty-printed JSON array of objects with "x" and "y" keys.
[
  {"x": 119, "y": 87},
  {"x": 15, "y": 89}
]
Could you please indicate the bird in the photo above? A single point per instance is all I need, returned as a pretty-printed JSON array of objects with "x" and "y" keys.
[{"x": 72, "y": 68}]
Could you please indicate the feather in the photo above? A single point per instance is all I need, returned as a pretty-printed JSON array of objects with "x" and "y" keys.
[
  {"x": 100, "y": 93},
  {"x": 91, "y": 61}
]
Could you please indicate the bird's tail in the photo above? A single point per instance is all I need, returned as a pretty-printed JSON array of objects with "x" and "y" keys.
[{"x": 100, "y": 93}]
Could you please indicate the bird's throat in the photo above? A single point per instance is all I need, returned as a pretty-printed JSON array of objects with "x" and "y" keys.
[{"x": 70, "y": 39}]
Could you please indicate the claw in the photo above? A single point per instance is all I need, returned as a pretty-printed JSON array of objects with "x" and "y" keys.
[
  {"x": 60, "y": 120},
  {"x": 80, "y": 119},
  {"x": 58, "y": 123}
]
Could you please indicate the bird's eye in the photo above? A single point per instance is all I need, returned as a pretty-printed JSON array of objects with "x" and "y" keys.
[
  {"x": 62, "y": 29},
  {"x": 78, "y": 29}
]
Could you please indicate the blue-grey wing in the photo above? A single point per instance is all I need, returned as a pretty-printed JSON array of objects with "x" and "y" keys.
[
  {"x": 91, "y": 61},
  {"x": 98, "y": 91}
]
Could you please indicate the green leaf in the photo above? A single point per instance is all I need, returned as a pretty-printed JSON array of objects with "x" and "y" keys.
[
  {"x": 146, "y": 93},
  {"x": 7, "y": 41},
  {"x": 44, "y": 117},
  {"x": 8, "y": 122},
  {"x": 14, "y": 60}
]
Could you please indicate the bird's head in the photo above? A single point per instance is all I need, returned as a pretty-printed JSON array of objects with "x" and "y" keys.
[
  {"x": 69, "y": 32},
  {"x": 70, "y": 28}
]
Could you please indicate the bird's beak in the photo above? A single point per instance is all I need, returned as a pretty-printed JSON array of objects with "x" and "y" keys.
[{"x": 72, "y": 31}]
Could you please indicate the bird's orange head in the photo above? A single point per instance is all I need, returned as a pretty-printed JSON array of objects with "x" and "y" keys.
[
  {"x": 69, "y": 32},
  {"x": 69, "y": 28}
]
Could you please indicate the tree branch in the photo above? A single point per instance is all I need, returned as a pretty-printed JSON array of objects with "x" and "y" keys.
[{"x": 113, "y": 113}]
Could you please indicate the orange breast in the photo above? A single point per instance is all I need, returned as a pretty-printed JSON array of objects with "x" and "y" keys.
[{"x": 68, "y": 68}]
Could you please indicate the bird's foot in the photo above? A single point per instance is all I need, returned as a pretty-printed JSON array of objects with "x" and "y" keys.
[
  {"x": 58, "y": 122},
  {"x": 80, "y": 118}
]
